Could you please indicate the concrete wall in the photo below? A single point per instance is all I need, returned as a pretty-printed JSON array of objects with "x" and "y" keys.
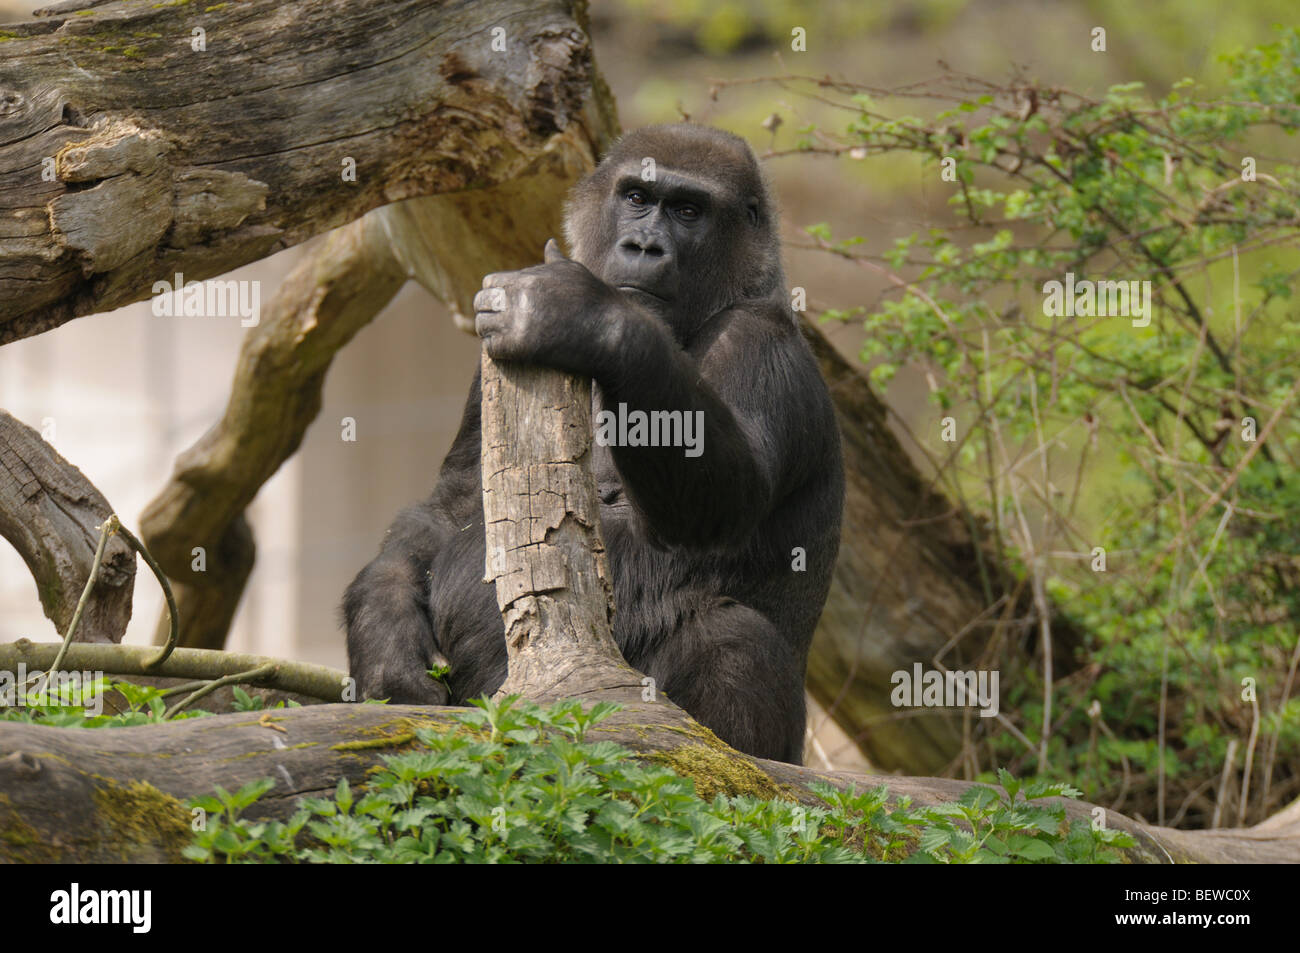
[{"x": 123, "y": 393}]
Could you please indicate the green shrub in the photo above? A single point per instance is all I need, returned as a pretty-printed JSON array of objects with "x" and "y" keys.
[{"x": 517, "y": 783}]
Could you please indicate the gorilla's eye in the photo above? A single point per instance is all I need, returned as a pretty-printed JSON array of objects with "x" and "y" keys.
[
  {"x": 636, "y": 197},
  {"x": 687, "y": 213}
]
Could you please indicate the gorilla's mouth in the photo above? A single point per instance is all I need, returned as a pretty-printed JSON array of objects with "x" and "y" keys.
[{"x": 644, "y": 291}]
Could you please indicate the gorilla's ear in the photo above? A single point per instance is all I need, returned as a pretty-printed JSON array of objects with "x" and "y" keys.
[
  {"x": 551, "y": 253},
  {"x": 584, "y": 225},
  {"x": 753, "y": 213}
]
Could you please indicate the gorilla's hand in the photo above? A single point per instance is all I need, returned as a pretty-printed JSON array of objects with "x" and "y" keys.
[
  {"x": 391, "y": 646},
  {"x": 557, "y": 314},
  {"x": 402, "y": 680}
]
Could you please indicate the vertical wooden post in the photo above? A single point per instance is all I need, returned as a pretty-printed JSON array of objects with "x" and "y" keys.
[{"x": 544, "y": 546}]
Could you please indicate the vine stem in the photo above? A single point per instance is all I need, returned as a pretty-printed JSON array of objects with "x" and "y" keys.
[
  {"x": 252, "y": 675},
  {"x": 106, "y": 529}
]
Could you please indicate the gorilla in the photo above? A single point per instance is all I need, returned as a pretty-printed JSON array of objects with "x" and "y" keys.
[{"x": 721, "y": 550}]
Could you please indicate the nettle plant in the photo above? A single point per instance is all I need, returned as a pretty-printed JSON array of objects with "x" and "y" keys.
[
  {"x": 513, "y": 782},
  {"x": 1142, "y": 472}
]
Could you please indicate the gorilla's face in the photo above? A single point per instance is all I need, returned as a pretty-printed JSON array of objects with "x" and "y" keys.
[
  {"x": 661, "y": 230},
  {"x": 678, "y": 218}
]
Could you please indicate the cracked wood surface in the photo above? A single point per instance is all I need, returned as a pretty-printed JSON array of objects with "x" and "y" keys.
[
  {"x": 127, "y": 156},
  {"x": 545, "y": 552}
]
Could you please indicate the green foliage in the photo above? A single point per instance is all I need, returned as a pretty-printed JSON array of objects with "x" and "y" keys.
[
  {"x": 519, "y": 783},
  {"x": 145, "y": 705},
  {"x": 243, "y": 701},
  {"x": 1089, "y": 431},
  {"x": 723, "y": 27}
]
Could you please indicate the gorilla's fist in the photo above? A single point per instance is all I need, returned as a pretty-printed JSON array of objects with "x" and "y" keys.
[
  {"x": 402, "y": 677},
  {"x": 557, "y": 314}
]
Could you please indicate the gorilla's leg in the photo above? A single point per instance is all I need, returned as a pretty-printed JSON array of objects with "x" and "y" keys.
[{"x": 735, "y": 673}]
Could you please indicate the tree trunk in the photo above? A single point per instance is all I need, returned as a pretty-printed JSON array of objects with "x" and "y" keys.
[
  {"x": 275, "y": 396},
  {"x": 910, "y": 586},
  {"x": 446, "y": 242},
  {"x": 544, "y": 546}
]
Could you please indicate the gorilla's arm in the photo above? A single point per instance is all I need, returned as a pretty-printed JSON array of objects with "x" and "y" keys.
[
  {"x": 742, "y": 371},
  {"x": 390, "y": 636},
  {"x": 675, "y": 306},
  {"x": 742, "y": 375}
]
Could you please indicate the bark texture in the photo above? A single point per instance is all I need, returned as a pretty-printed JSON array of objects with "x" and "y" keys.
[
  {"x": 128, "y": 154},
  {"x": 446, "y": 242},
  {"x": 545, "y": 552},
  {"x": 51, "y": 514}
]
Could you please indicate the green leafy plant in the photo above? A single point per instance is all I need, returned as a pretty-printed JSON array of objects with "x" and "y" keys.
[
  {"x": 243, "y": 701},
  {"x": 513, "y": 782},
  {"x": 145, "y": 705},
  {"x": 1144, "y": 477}
]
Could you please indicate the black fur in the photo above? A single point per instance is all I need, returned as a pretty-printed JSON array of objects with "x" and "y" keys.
[{"x": 674, "y": 300}]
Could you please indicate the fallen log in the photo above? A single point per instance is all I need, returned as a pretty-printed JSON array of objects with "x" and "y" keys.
[
  {"x": 142, "y": 140},
  {"x": 116, "y": 795}
]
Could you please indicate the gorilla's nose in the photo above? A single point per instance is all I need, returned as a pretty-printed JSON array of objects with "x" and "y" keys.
[{"x": 648, "y": 245}]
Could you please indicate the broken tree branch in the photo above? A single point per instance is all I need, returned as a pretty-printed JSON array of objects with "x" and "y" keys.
[
  {"x": 51, "y": 514},
  {"x": 541, "y": 514},
  {"x": 299, "y": 678},
  {"x": 138, "y": 141}
]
